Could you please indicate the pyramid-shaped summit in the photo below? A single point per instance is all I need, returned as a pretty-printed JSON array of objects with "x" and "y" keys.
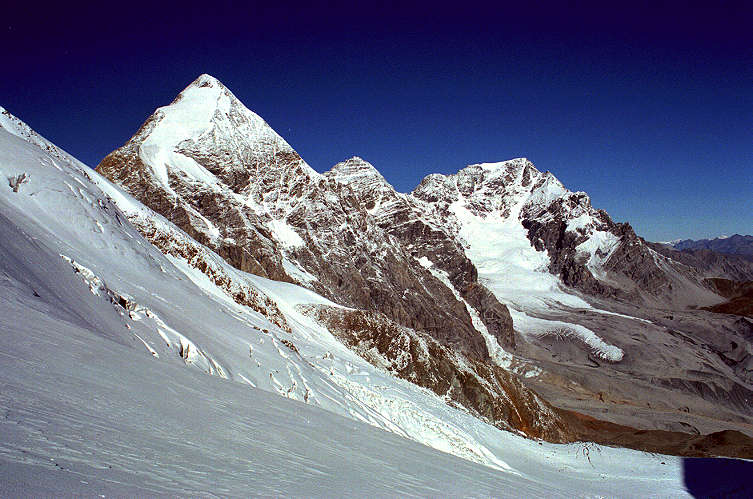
[
  {"x": 206, "y": 135},
  {"x": 217, "y": 169}
]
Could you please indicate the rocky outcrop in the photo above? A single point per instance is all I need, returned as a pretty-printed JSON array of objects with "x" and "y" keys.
[{"x": 485, "y": 390}]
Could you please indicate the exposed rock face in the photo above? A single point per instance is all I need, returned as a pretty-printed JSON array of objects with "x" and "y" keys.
[
  {"x": 487, "y": 391},
  {"x": 224, "y": 176}
]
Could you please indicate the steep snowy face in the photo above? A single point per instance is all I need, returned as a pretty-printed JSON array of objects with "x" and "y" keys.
[
  {"x": 488, "y": 205},
  {"x": 207, "y": 135},
  {"x": 514, "y": 192},
  {"x": 224, "y": 176},
  {"x": 220, "y": 172}
]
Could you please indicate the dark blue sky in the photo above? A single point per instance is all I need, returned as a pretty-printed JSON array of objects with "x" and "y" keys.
[{"x": 648, "y": 107}]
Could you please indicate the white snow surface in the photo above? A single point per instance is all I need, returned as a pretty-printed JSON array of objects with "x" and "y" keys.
[
  {"x": 160, "y": 384},
  {"x": 285, "y": 234},
  {"x": 599, "y": 247}
]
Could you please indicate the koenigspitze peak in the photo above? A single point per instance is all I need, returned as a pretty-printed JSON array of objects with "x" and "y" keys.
[{"x": 207, "y": 136}]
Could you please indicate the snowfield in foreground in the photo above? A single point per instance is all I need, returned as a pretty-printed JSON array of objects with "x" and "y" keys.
[{"x": 128, "y": 372}]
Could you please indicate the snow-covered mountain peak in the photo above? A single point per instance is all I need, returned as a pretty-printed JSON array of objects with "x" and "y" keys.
[
  {"x": 489, "y": 187},
  {"x": 207, "y": 93},
  {"x": 510, "y": 164},
  {"x": 207, "y": 85},
  {"x": 210, "y": 162},
  {"x": 205, "y": 111},
  {"x": 207, "y": 101},
  {"x": 207, "y": 136},
  {"x": 511, "y": 205},
  {"x": 206, "y": 80},
  {"x": 358, "y": 174}
]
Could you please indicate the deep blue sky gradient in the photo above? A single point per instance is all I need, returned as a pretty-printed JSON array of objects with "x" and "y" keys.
[{"x": 648, "y": 107}]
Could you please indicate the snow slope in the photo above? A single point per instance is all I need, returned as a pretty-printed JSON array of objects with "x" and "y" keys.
[{"x": 126, "y": 371}]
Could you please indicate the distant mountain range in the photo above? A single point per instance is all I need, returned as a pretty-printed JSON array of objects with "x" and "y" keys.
[{"x": 733, "y": 245}]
